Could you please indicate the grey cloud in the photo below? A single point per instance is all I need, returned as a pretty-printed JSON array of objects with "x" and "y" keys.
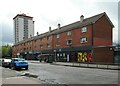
[{"x": 7, "y": 34}]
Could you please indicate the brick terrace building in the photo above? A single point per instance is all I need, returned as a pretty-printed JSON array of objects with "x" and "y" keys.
[{"x": 86, "y": 40}]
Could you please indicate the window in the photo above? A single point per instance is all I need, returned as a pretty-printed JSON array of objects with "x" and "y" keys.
[
  {"x": 83, "y": 40},
  {"x": 69, "y": 33},
  {"x": 84, "y": 29},
  {"x": 41, "y": 46},
  {"x": 48, "y": 37},
  {"x": 57, "y": 43},
  {"x": 35, "y": 41},
  {"x": 48, "y": 45},
  {"x": 58, "y": 54},
  {"x": 58, "y": 36},
  {"x": 41, "y": 39},
  {"x": 69, "y": 42}
]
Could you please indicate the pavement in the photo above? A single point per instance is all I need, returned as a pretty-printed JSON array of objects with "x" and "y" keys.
[
  {"x": 90, "y": 65},
  {"x": 25, "y": 78},
  {"x": 20, "y": 80},
  {"x": 29, "y": 80}
]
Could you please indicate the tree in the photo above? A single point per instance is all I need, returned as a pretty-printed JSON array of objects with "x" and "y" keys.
[{"x": 6, "y": 51}]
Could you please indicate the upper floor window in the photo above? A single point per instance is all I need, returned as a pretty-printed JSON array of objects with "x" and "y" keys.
[
  {"x": 41, "y": 39},
  {"x": 48, "y": 45},
  {"x": 48, "y": 37},
  {"x": 84, "y": 29},
  {"x": 41, "y": 46},
  {"x": 34, "y": 46},
  {"x": 57, "y": 43},
  {"x": 35, "y": 41},
  {"x": 58, "y": 36},
  {"x": 83, "y": 40},
  {"x": 69, "y": 33},
  {"x": 69, "y": 42}
]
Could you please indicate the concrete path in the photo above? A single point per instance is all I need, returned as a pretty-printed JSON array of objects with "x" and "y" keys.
[{"x": 20, "y": 80}]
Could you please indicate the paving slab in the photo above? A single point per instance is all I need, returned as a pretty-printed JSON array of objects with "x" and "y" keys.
[{"x": 20, "y": 80}]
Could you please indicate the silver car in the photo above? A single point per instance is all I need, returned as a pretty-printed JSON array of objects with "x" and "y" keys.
[{"x": 6, "y": 62}]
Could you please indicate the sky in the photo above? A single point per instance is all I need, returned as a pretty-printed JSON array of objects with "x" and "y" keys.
[{"x": 48, "y": 13}]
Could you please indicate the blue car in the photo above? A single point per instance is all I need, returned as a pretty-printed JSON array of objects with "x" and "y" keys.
[{"x": 18, "y": 63}]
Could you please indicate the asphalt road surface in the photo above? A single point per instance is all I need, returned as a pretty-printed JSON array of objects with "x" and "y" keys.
[{"x": 54, "y": 74}]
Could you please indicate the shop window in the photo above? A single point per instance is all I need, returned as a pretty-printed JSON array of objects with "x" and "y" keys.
[
  {"x": 63, "y": 54},
  {"x": 58, "y": 54}
]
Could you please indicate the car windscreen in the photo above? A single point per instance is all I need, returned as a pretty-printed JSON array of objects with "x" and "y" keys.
[
  {"x": 20, "y": 60},
  {"x": 7, "y": 60}
]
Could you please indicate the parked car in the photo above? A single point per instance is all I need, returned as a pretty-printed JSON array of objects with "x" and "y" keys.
[
  {"x": 0, "y": 61},
  {"x": 18, "y": 63},
  {"x": 6, "y": 62}
]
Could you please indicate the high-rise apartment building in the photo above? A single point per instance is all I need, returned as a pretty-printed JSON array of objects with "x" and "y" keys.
[{"x": 23, "y": 27}]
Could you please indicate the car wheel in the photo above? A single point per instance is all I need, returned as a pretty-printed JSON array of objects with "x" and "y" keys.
[
  {"x": 13, "y": 67},
  {"x": 26, "y": 68}
]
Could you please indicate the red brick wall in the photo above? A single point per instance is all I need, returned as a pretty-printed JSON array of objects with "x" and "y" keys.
[
  {"x": 103, "y": 54},
  {"x": 77, "y": 34},
  {"x": 102, "y": 32},
  {"x": 102, "y": 37},
  {"x": 75, "y": 37}
]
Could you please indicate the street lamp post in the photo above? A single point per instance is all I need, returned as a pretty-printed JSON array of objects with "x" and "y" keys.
[{"x": 55, "y": 55}]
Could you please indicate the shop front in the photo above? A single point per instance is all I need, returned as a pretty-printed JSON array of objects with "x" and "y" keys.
[{"x": 73, "y": 54}]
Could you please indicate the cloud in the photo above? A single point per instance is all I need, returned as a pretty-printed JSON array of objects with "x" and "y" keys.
[
  {"x": 7, "y": 34},
  {"x": 51, "y": 12}
]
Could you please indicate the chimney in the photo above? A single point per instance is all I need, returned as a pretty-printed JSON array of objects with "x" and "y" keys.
[
  {"x": 81, "y": 18},
  {"x": 58, "y": 26},
  {"x": 49, "y": 29}
]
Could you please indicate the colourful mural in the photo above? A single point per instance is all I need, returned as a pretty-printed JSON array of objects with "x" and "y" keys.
[{"x": 84, "y": 57}]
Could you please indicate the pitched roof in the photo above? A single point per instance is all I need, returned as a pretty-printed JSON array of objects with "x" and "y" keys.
[
  {"x": 85, "y": 22},
  {"x": 71, "y": 26}
]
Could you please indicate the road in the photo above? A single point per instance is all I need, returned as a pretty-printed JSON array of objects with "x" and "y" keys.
[
  {"x": 54, "y": 74},
  {"x": 9, "y": 76},
  {"x": 73, "y": 75}
]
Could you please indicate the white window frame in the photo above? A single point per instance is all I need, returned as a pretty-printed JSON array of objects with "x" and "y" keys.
[
  {"x": 83, "y": 40},
  {"x": 57, "y": 35},
  {"x": 84, "y": 29},
  {"x": 69, "y": 33},
  {"x": 57, "y": 44},
  {"x": 68, "y": 42},
  {"x": 48, "y": 45},
  {"x": 41, "y": 46}
]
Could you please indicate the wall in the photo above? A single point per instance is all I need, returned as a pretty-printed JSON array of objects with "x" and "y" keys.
[
  {"x": 103, "y": 54},
  {"x": 75, "y": 37},
  {"x": 102, "y": 32}
]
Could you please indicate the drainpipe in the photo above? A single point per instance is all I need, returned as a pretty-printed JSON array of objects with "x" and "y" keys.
[{"x": 92, "y": 40}]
